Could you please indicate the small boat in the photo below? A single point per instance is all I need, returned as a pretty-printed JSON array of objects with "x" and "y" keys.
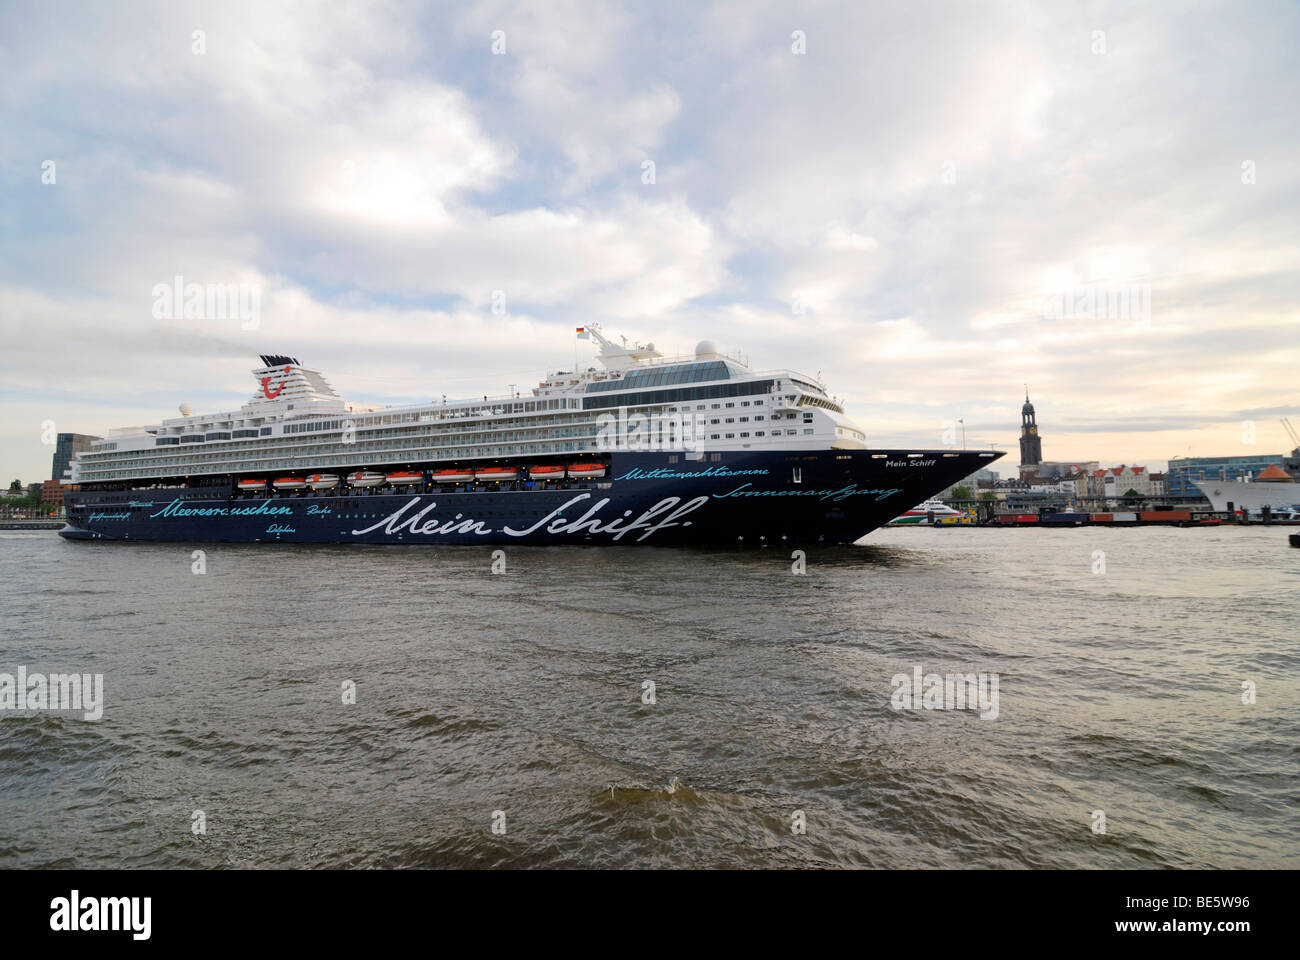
[
  {"x": 936, "y": 510},
  {"x": 453, "y": 476},
  {"x": 365, "y": 478},
  {"x": 289, "y": 483},
  {"x": 585, "y": 470},
  {"x": 323, "y": 481},
  {"x": 405, "y": 476},
  {"x": 496, "y": 474},
  {"x": 546, "y": 473},
  {"x": 251, "y": 485}
]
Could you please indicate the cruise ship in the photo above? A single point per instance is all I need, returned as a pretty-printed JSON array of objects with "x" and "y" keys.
[
  {"x": 1274, "y": 488},
  {"x": 642, "y": 449}
]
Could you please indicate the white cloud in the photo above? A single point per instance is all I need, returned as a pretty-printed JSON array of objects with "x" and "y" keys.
[{"x": 380, "y": 173}]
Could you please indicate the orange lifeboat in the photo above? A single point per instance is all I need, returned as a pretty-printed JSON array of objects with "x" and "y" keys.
[
  {"x": 546, "y": 473},
  {"x": 453, "y": 476},
  {"x": 586, "y": 470},
  {"x": 496, "y": 474},
  {"x": 365, "y": 478},
  {"x": 251, "y": 485},
  {"x": 289, "y": 483},
  {"x": 405, "y": 477}
]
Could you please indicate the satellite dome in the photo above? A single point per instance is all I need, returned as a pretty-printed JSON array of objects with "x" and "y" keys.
[
  {"x": 706, "y": 350},
  {"x": 186, "y": 409}
]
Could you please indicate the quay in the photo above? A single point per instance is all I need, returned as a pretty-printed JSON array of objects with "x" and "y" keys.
[{"x": 984, "y": 513}]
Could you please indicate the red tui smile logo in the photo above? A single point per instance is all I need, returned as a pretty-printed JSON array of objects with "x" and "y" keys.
[{"x": 266, "y": 387}]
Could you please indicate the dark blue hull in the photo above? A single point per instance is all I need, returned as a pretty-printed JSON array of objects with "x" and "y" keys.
[{"x": 798, "y": 497}]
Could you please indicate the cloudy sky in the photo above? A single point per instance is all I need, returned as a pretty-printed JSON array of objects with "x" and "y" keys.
[{"x": 930, "y": 204}]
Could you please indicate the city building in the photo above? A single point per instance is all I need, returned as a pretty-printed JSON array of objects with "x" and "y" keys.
[
  {"x": 1054, "y": 488},
  {"x": 1116, "y": 482},
  {"x": 973, "y": 483},
  {"x": 1031, "y": 444},
  {"x": 67, "y": 446},
  {"x": 1183, "y": 470},
  {"x": 1033, "y": 468},
  {"x": 52, "y": 493},
  {"x": 1062, "y": 470}
]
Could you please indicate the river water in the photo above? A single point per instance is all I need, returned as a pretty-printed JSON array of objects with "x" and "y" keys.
[{"x": 501, "y": 719}]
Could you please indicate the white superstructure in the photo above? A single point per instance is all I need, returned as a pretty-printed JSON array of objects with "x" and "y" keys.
[
  {"x": 1281, "y": 497},
  {"x": 296, "y": 421}
]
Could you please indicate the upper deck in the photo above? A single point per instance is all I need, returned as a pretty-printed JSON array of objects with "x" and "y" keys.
[{"x": 295, "y": 420}]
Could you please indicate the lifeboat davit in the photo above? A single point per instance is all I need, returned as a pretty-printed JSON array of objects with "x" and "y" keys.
[
  {"x": 251, "y": 485},
  {"x": 496, "y": 474},
  {"x": 365, "y": 478},
  {"x": 323, "y": 481},
  {"x": 546, "y": 473},
  {"x": 405, "y": 476},
  {"x": 289, "y": 483},
  {"x": 453, "y": 476},
  {"x": 585, "y": 470}
]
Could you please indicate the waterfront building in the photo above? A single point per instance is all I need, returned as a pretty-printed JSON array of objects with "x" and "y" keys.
[
  {"x": 52, "y": 493},
  {"x": 1118, "y": 481},
  {"x": 67, "y": 446},
  {"x": 1184, "y": 471},
  {"x": 975, "y": 482}
]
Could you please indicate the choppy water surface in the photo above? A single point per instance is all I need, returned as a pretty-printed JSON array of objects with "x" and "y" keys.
[{"x": 522, "y": 693}]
